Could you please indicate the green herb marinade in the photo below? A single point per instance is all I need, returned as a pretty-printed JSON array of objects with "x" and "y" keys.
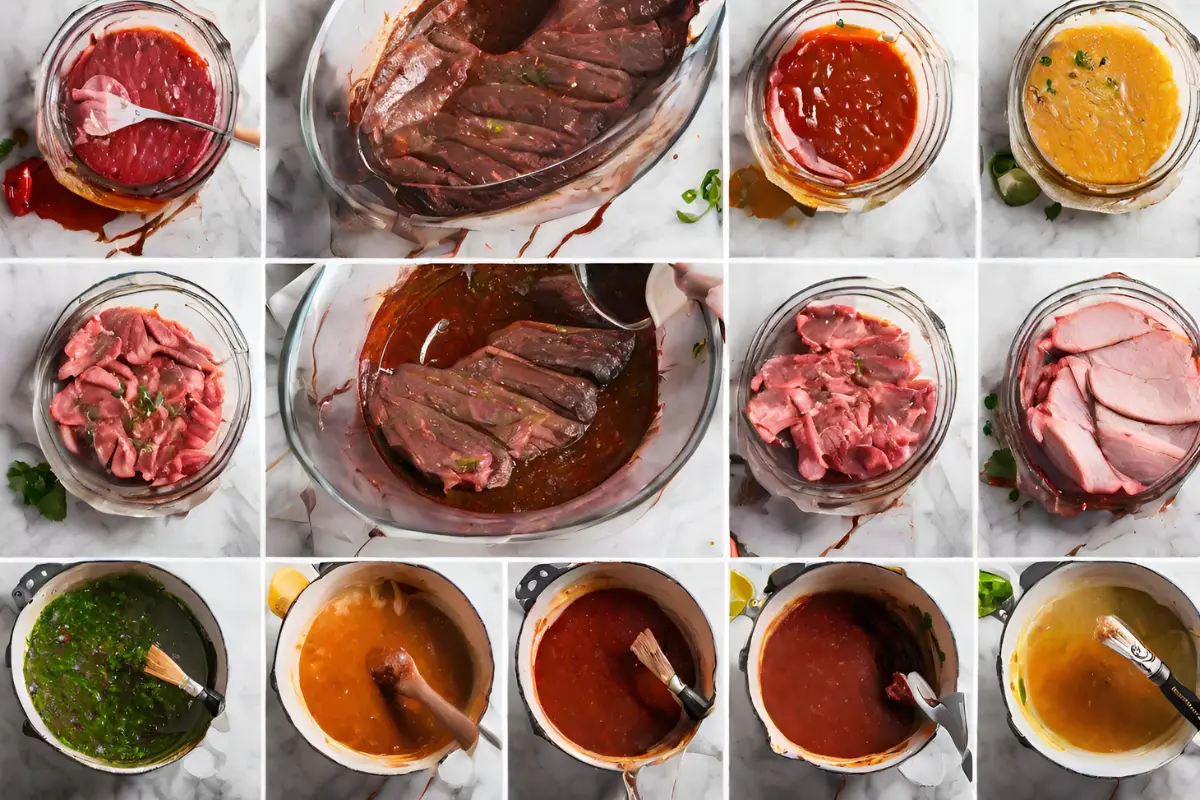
[{"x": 83, "y": 669}]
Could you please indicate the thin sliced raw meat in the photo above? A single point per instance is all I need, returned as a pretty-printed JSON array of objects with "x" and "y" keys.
[
  {"x": 770, "y": 412},
  {"x": 92, "y": 345},
  {"x": 811, "y": 463},
  {"x": 1169, "y": 401}
]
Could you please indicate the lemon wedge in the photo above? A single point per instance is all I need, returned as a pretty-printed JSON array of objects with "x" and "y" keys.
[
  {"x": 286, "y": 585},
  {"x": 741, "y": 591}
]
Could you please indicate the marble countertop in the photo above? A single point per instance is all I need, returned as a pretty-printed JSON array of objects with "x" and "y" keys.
[
  {"x": 934, "y": 517},
  {"x": 227, "y": 220},
  {"x": 227, "y": 524},
  {"x": 296, "y": 770},
  {"x": 641, "y": 223},
  {"x": 540, "y": 771},
  {"x": 1170, "y": 228},
  {"x": 934, "y": 217},
  {"x": 1007, "y": 293},
  {"x": 687, "y": 521},
  {"x": 1010, "y": 771},
  {"x": 33, "y": 770},
  {"x": 756, "y": 771}
]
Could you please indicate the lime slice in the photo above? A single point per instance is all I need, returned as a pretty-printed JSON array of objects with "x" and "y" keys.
[{"x": 741, "y": 591}]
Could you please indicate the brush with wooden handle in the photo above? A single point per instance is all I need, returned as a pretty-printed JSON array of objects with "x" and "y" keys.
[
  {"x": 395, "y": 672},
  {"x": 1116, "y": 635},
  {"x": 162, "y": 666},
  {"x": 646, "y": 648}
]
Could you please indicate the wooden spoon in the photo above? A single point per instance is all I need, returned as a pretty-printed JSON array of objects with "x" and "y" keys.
[{"x": 394, "y": 670}]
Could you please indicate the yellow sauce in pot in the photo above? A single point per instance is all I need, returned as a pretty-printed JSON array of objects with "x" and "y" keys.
[{"x": 1102, "y": 104}]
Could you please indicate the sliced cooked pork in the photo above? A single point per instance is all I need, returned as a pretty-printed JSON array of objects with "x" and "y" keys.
[
  {"x": 592, "y": 352},
  {"x": 146, "y": 395},
  {"x": 851, "y": 404},
  {"x": 1116, "y": 405}
]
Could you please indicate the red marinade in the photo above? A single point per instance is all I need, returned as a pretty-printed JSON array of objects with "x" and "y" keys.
[
  {"x": 843, "y": 102},
  {"x": 594, "y": 689},
  {"x": 161, "y": 71},
  {"x": 851, "y": 405},
  {"x": 142, "y": 393},
  {"x": 826, "y": 669}
]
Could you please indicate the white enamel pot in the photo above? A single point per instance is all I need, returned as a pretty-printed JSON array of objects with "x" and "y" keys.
[
  {"x": 547, "y": 589},
  {"x": 786, "y": 586},
  {"x": 43, "y": 584},
  {"x": 300, "y": 610},
  {"x": 1038, "y": 586}
]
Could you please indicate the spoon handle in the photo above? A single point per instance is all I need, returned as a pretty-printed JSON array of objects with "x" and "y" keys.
[
  {"x": 464, "y": 731},
  {"x": 1183, "y": 698}
]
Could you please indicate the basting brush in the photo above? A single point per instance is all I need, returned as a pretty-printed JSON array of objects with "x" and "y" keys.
[
  {"x": 1116, "y": 635},
  {"x": 646, "y": 648},
  {"x": 162, "y": 666}
]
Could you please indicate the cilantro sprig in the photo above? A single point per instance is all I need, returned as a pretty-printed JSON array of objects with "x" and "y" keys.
[
  {"x": 709, "y": 192},
  {"x": 39, "y": 487}
]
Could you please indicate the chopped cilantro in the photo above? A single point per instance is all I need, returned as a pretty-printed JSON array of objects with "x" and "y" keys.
[
  {"x": 990, "y": 402},
  {"x": 1082, "y": 59},
  {"x": 39, "y": 487},
  {"x": 1053, "y": 210},
  {"x": 1050, "y": 87},
  {"x": 987, "y": 428},
  {"x": 1046, "y": 61},
  {"x": 1014, "y": 495},
  {"x": 699, "y": 348},
  {"x": 841, "y": 24},
  {"x": 1001, "y": 466}
]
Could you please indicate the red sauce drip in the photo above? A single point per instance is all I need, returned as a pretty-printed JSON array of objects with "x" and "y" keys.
[
  {"x": 160, "y": 71},
  {"x": 843, "y": 102},
  {"x": 825, "y": 671},
  {"x": 30, "y": 187},
  {"x": 593, "y": 689},
  {"x": 588, "y": 227},
  {"x": 529, "y": 241}
]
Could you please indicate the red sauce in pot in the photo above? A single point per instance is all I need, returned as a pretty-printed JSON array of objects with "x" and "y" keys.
[
  {"x": 825, "y": 671},
  {"x": 593, "y": 689},
  {"x": 843, "y": 103},
  {"x": 160, "y": 71}
]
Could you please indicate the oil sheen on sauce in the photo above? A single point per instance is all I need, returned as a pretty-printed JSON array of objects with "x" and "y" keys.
[
  {"x": 1089, "y": 696},
  {"x": 1102, "y": 104},
  {"x": 478, "y": 302},
  {"x": 340, "y": 693},
  {"x": 593, "y": 688},
  {"x": 824, "y": 673},
  {"x": 843, "y": 103}
]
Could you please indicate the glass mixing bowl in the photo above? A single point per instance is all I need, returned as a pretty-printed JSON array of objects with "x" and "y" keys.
[
  {"x": 345, "y": 49},
  {"x": 319, "y": 402},
  {"x": 775, "y": 467},
  {"x": 208, "y": 319}
]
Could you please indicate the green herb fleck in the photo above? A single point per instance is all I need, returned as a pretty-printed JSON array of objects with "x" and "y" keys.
[
  {"x": 146, "y": 404},
  {"x": 120, "y": 392},
  {"x": 1053, "y": 210},
  {"x": 6, "y": 147},
  {"x": 993, "y": 591},
  {"x": 690, "y": 196},
  {"x": 699, "y": 348},
  {"x": 1021, "y": 689},
  {"x": 841, "y": 24},
  {"x": 495, "y": 126},
  {"x": 39, "y": 487},
  {"x": 710, "y": 193},
  {"x": 990, "y": 402},
  {"x": 1014, "y": 185},
  {"x": 1112, "y": 84},
  {"x": 1046, "y": 61},
  {"x": 1082, "y": 59},
  {"x": 466, "y": 465},
  {"x": 1001, "y": 466},
  {"x": 987, "y": 428},
  {"x": 1014, "y": 495},
  {"x": 1050, "y": 87}
]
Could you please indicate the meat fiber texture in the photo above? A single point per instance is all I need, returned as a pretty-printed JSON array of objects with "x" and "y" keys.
[
  {"x": 852, "y": 405},
  {"x": 1116, "y": 404},
  {"x": 468, "y": 426},
  {"x": 475, "y": 92},
  {"x": 142, "y": 393}
]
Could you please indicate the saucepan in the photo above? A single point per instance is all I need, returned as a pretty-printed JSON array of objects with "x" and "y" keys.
[
  {"x": 319, "y": 403},
  {"x": 43, "y": 584},
  {"x": 547, "y": 589},
  {"x": 1038, "y": 586},
  {"x": 298, "y": 606},
  {"x": 793, "y": 583}
]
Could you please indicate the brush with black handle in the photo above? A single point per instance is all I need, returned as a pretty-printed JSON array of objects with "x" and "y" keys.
[
  {"x": 162, "y": 666},
  {"x": 646, "y": 648},
  {"x": 1116, "y": 635}
]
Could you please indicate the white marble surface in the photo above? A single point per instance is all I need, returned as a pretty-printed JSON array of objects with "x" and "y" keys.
[
  {"x": 540, "y": 771},
  {"x": 1010, "y": 771},
  {"x": 755, "y": 771},
  {"x": 934, "y": 217},
  {"x": 227, "y": 220},
  {"x": 296, "y": 771},
  {"x": 1007, "y": 293},
  {"x": 32, "y": 770},
  {"x": 1170, "y": 228},
  {"x": 227, "y": 524},
  {"x": 934, "y": 517},
  {"x": 687, "y": 520},
  {"x": 641, "y": 223}
]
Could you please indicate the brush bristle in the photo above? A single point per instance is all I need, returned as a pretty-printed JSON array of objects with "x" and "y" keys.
[
  {"x": 646, "y": 648},
  {"x": 1112, "y": 629},
  {"x": 160, "y": 665}
]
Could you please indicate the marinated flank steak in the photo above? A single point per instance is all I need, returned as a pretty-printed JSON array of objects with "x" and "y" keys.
[
  {"x": 474, "y": 92},
  {"x": 142, "y": 393},
  {"x": 851, "y": 405},
  {"x": 1116, "y": 405},
  {"x": 502, "y": 397}
]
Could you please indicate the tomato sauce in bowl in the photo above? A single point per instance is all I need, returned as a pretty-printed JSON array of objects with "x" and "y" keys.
[
  {"x": 158, "y": 70},
  {"x": 843, "y": 103}
]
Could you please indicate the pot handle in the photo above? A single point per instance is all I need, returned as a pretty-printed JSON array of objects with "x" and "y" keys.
[
  {"x": 28, "y": 730},
  {"x": 535, "y": 581},
  {"x": 629, "y": 780},
  {"x": 1035, "y": 572},
  {"x": 780, "y": 578},
  {"x": 32, "y": 582},
  {"x": 286, "y": 585}
]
